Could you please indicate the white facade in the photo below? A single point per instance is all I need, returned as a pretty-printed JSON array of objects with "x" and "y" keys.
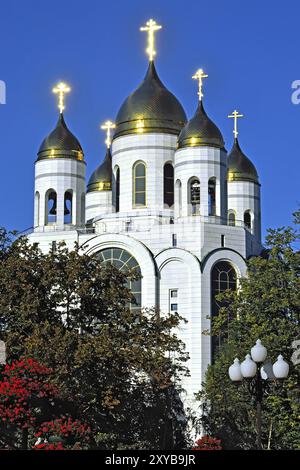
[
  {"x": 243, "y": 197},
  {"x": 206, "y": 164},
  {"x": 177, "y": 244},
  {"x": 98, "y": 202},
  {"x": 59, "y": 176},
  {"x": 154, "y": 150},
  {"x": 175, "y": 250}
]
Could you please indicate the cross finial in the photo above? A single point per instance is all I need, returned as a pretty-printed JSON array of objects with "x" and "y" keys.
[
  {"x": 108, "y": 126},
  {"x": 235, "y": 115},
  {"x": 61, "y": 89},
  {"x": 151, "y": 28},
  {"x": 199, "y": 75}
]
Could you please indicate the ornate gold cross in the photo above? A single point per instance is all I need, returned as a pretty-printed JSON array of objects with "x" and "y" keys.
[
  {"x": 199, "y": 75},
  {"x": 151, "y": 28},
  {"x": 61, "y": 88},
  {"x": 108, "y": 126},
  {"x": 235, "y": 115}
]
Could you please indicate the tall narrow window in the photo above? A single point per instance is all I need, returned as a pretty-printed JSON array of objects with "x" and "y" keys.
[
  {"x": 68, "y": 207},
  {"x": 223, "y": 277},
  {"x": 168, "y": 185},
  {"x": 212, "y": 196},
  {"x": 194, "y": 196},
  {"x": 139, "y": 185},
  {"x": 247, "y": 219},
  {"x": 118, "y": 189},
  {"x": 231, "y": 219},
  {"x": 51, "y": 207}
]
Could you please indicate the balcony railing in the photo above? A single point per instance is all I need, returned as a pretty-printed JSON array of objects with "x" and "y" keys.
[{"x": 119, "y": 222}]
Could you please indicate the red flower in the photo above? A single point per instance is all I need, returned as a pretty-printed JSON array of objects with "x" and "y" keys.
[{"x": 208, "y": 443}]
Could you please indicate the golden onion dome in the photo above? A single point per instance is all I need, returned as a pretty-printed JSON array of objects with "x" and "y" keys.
[
  {"x": 150, "y": 108},
  {"x": 101, "y": 178},
  {"x": 200, "y": 131},
  {"x": 240, "y": 168},
  {"x": 60, "y": 143}
]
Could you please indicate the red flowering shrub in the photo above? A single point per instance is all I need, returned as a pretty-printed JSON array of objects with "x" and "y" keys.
[
  {"x": 208, "y": 443},
  {"x": 47, "y": 446},
  {"x": 21, "y": 383},
  {"x": 65, "y": 431},
  {"x": 27, "y": 399}
]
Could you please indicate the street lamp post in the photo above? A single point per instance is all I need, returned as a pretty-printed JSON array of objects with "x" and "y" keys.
[{"x": 256, "y": 372}]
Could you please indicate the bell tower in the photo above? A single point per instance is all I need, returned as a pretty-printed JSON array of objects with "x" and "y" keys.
[{"x": 59, "y": 177}]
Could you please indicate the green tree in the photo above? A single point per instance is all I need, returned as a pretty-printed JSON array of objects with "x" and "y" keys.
[
  {"x": 117, "y": 364},
  {"x": 266, "y": 307}
]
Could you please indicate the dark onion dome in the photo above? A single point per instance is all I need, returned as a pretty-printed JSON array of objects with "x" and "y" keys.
[
  {"x": 150, "y": 108},
  {"x": 60, "y": 143},
  {"x": 240, "y": 168},
  {"x": 102, "y": 176},
  {"x": 200, "y": 131}
]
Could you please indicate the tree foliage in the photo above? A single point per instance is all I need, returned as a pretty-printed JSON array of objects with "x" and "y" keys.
[
  {"x": 117, "y": 364},
  {"x": 267, "y": 306}
]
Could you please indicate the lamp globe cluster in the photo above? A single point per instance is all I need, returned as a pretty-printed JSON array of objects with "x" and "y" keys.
[{"x": 248, "y": 368}]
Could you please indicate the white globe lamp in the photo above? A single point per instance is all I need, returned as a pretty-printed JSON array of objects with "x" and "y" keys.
[
  {"x": 281, "y": 368},
  {"x": 234, "y": 371},
  {"x": 248, "y": 367},
  {"x": 259, "y": 352}
]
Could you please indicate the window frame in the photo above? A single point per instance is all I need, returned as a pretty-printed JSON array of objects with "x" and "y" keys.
[{"x": 134, "y": 191}]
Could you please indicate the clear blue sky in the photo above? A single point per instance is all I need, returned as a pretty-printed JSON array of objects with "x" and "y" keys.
[{"x": 251, "y": 51}]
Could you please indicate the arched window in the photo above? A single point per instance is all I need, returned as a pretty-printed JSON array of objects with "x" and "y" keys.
[
  {"x": 51, "y": 207},
  {"x": 212, "y": 196},
  {"x": 117, "y": 189},
  {"x": 168, "y": 185},
  {"x": 37, "y": 209},
  {"x": 178, "y": 194},
  {"x": 223, "y": 277},
  {"x": 231, "y": 218},
  {"x": 139, "y": 184},
  {"x": 247, "y": 219},
  {"x": 194, "y": 196},
  {"x": 68, "y": 207},
  {"x": 124, "y": 261}
]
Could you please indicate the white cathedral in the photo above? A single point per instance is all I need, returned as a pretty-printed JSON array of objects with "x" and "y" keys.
[{"x": 167, "y": 199}]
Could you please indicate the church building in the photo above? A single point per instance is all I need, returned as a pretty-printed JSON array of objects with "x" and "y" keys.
[{"x": 167, "y": 199}]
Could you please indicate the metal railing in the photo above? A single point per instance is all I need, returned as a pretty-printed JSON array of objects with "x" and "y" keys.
[{"x": 137, "y": 223}]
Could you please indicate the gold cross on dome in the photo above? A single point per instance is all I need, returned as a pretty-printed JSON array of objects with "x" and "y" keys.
[
  {"x": 199, "y": 75},
  {"x": 151, "y": 28},
  {"x": 235, "y": 115},
  {"x": 61, "y": 89},
  {"x": 108, "y": 126}
]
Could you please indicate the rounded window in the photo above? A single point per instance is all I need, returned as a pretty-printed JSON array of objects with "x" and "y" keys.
[
  {"x": 231, "y": 219},
  {"x": 124, "y": 261},
  {"x": 139, "y": 185},
  {"x": 247, "y": 219},
  {"x": 194, "y": 196},
  {"x": 168, "y": 185},
  {"x": 223, "y": 278}
]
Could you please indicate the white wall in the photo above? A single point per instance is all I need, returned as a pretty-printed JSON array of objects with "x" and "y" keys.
[
  {"x": 203, "y": 163},
  {"x": 61, "y": 175},
  {"x": 98, "y": 203},
  {"x": 244, "y": 196}
]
